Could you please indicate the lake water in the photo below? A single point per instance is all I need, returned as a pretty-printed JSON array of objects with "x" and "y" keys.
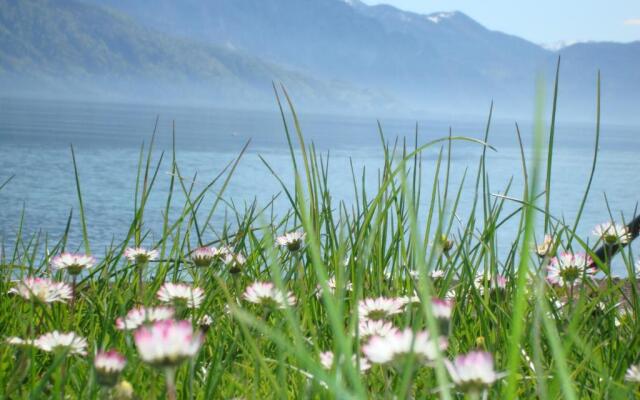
[{"x": 35, "y": 138}]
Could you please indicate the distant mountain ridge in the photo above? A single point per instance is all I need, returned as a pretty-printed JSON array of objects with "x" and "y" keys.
[
  {"x": 340, "y": 53},
  {"x": 400, "y": 52},
  {"x": 66, "y": 48}
]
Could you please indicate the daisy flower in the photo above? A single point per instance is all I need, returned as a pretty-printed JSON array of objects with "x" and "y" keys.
[
  {"x": 473, "y": 372},
  {"x": 546, "y": 247},
  {"x": 55, "y": 340},
  {"x": 42, "y": 289},
  {"x": 500, "y": 282},
  {"x": 122, "y": 391},
  {"x": 108, "y": 366},
  {"x": 73, "y": 263},
  {"x": 331, "y": 283},
  {"x": 612, "y": 233},
  {"x": 181, "y": 293},
  {"x": 205, "y": 322},
  {"x": 368, "y": 328},
  {"x": 204, "y": 256},
  {"x": 16, "y": 341},
  {"x": 222, "y": 251},
  {"x": 497, "y": 282},
  {"x": 235, "y": 262},
  {"x": 348, "y": 287},
  {"x": 623, "y": 316},
  {"x": 327, "y": 359},
  {"x": 138, "y": 316},
  {"x": 407, "y": 300},
  {"x": 167, "y": 343},
  {"x": 442, "y": 309},
  {"x": 380, "y": 308},
  {"x": 434, "y": 275},
  {"x": 293, "y": 241},
  {"x": 557, "y": 309},
  {"x": 633, "y": 374},
  {"x": 382, "y": 350},
  {"x": 450, "y": 295},
  {"x": 568, "y": 269},
  {"x": 437, "y": 274},
  {"x": 139, "y": 255},
  {"x": 265, "y": 293}
]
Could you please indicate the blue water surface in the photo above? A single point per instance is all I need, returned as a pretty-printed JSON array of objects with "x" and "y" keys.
[{"x": 35, "y": 139}]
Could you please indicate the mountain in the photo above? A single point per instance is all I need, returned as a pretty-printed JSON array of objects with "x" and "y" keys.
[
  {"x": 441, "y": 62},
  {"x": 65, "y": 48},
  {"x": 417, "y": 58},
  {"x": 620, "y": 66},
  {"x": 341, "y": 53}
]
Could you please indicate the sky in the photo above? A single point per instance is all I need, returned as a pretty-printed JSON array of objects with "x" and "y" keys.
[{"x": 543, "y": 21}]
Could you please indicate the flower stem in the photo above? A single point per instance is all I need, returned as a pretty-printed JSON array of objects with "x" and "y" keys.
[
  {"x": 473, "y": 395},
  {"x": 169, "y": 374},
  {"x": 73, "y": 296},
  {"x": 63, "y": 377},
  {"x": 140, "y": 268}
]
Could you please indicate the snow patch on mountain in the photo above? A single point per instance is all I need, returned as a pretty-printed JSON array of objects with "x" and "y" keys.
[
  {"x": 438, "y": 17},
  {"x": 559, "y": 45}
]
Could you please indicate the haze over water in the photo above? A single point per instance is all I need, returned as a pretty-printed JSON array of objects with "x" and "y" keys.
[{"x": 35, "y": 139}]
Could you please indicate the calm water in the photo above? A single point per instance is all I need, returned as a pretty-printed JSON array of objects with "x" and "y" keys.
[{"x": 35, "y": 139}]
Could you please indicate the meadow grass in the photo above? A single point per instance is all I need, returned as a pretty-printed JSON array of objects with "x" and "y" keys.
[{"x": 548, "y": 340}]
